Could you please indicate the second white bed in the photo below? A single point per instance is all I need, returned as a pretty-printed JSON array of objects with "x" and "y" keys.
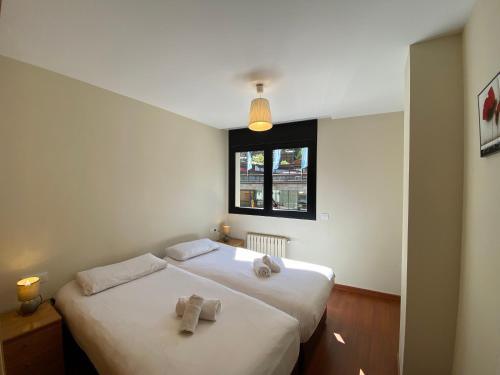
[{"x": 301, "y": 289}]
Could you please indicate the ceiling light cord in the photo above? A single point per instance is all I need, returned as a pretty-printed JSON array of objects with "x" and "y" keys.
[{"x": 260, "y": 88}]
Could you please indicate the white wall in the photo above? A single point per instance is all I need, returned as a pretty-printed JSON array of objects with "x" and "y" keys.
[
  {"x": 404, "y": 247},
  {"x": 477, "y": 349},
  {"x": 359, "y": 183},
  {"x": 90, "y": 177},
  {"x": 435, "y": 152}
]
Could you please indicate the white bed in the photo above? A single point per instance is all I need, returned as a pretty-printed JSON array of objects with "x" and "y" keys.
[
  {"x": 132, "y": 329},
  {"x": 301, "y": 289}
]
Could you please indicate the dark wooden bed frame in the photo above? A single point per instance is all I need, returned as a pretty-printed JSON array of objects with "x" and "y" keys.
[{"x": 307, "y": 348}]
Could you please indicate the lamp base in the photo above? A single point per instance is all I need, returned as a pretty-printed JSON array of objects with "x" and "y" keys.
[{"x": 29, "y": 307}]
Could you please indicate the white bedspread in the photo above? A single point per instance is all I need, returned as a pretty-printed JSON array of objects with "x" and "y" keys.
[
  {"x": 133, "y": 329},
  {"x": 301, "y": 289}
]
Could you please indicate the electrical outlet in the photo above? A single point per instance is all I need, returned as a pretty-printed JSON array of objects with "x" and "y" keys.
[{"x": 43, "y": 276}]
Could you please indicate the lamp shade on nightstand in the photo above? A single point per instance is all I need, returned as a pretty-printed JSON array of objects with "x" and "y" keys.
[
  {"x": 226, "y": 229},
  {"x": 28, "y": 292},
  {"x": 28, "y": 289}
]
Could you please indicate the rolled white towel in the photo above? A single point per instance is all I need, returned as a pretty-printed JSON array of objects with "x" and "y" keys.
[
  {"x": 191, "y": 314},
  {"x": 209, "y": 309},
  {"x": 268, "y": 261},
  {"x": 261, "y": 269}
]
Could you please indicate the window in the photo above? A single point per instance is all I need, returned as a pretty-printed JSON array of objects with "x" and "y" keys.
[
  {"x": 290, "y": 179},
  {"x": 249, "y": 179},
  {"x": 274, "y": 173}
]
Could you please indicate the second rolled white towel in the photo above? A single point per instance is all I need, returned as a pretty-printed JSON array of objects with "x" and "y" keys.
[
  {"x": 209, "y": 309},
  {"x": 271, "y": 263},
  {"x": 191, "y": 314},
  {"x": 260, "y": 268}
]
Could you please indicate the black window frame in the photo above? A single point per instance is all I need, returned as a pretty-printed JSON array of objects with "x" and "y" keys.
[{"x": 287, "y": 135}]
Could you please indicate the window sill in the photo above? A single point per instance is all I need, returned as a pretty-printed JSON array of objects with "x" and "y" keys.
[{"x": 275, "y": 214}]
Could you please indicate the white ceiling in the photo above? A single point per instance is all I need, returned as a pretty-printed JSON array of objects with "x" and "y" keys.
[{"x": 199, "y": 58}]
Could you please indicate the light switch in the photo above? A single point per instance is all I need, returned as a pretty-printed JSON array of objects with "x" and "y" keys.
[{"x": 324, "y": 216}]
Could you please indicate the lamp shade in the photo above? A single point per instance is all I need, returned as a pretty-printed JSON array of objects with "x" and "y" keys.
[
  {"x": 28, "y": 288},
  {"x": 260, "y": 115},
  {"x": 226, "y": 229}
]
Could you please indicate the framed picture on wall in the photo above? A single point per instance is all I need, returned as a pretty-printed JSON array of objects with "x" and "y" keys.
[{"x": 489, "y": 117}]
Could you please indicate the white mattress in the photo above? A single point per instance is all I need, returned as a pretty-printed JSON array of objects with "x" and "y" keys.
[
  {"x": 133, "y": 329},
  {"x": 301, "y": 289}
]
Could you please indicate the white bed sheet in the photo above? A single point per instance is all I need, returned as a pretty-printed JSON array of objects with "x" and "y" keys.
[
  {"x": 133, "y": 329},
  {"x": 301, "y": 289}
]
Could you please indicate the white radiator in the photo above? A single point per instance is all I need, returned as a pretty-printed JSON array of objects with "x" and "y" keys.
[{"x": 267, "y": 244}]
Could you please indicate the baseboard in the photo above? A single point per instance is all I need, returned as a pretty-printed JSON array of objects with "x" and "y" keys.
[{"x": 367, "y": 292}]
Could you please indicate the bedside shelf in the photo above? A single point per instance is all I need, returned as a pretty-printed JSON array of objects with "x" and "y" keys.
[
  {"x": 236, "y": 242},
  {"x": 32, "y": 344}
]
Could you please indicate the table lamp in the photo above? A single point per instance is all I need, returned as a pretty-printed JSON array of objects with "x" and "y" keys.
[
  {"x": 28, "y": 293},
  {"x": 226, "y": 229}
]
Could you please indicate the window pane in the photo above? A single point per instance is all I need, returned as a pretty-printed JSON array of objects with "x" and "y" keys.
[
  {"x": 249, "y": 184},
  {"x": 290, "y": 167}
]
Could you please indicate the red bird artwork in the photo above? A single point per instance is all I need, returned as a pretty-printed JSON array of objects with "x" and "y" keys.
[{"x": 489, "y": 106}]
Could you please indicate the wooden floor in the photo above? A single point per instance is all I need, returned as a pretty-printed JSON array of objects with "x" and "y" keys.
[{"x": 369, "y": 327}]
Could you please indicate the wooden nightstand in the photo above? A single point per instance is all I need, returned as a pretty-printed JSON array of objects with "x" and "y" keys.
[
  {"x": 236, "y": 242},
  {"x": 32, "y": 344}
]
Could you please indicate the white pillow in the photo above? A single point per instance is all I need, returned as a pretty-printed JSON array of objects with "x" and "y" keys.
[
  {"x": 186, "y": 250},
  {"x": 98, "y": 279}
]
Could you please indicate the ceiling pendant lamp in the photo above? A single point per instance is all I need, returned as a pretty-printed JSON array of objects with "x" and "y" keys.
[{"x": 259, "y": 119}]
